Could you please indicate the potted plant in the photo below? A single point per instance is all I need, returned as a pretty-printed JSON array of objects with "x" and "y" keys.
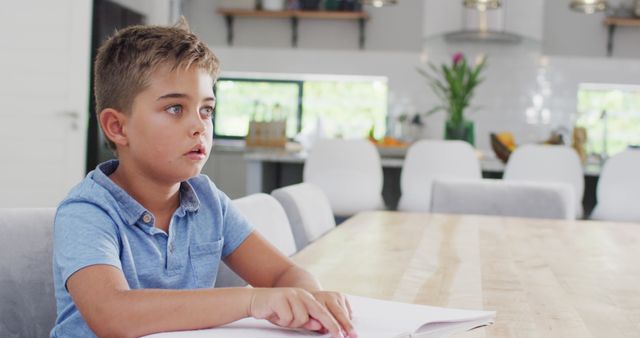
[{"x": 454, "y": 85}]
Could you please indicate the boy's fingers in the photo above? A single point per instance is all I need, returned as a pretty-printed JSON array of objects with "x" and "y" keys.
[
  {"x": 283, "y": 313},
  {"x": 322, "y": 315},
  {"x": 345, "y": 303},
  {"x": 341, "y": 315},
  {"x": 299, "y": 311},
  {"x": 312, "y": 325}
]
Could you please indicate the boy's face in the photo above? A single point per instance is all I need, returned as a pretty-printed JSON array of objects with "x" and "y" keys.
[{"x": 169, "y": 130}]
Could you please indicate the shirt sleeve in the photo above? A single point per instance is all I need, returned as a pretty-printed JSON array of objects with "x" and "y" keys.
[
  {"x": 83, "y": 235},
  {"x": 235, "y": 227}
]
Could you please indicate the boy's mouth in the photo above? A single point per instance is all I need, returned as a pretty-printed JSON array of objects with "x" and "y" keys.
[{"x": 199, "y": 151}]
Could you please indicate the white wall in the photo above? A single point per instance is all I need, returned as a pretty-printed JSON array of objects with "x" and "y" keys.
[{"x": 157, "y": 12}]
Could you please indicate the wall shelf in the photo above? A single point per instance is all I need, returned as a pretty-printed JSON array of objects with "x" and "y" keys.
[
  {"x": 612, "y": 23},
  {"x": 294, "y": 16}
]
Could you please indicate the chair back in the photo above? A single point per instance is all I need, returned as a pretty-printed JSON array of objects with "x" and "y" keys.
[
  {"x": 270, "y": 220},
  {"x": 618, "y": 190},
  {"x": 548, "y": 163},
  {"x": 503, "y": 198},
  {"x": 427, "y": 160},
  {"x": 308, "y": 210},
  {"x": 27, "y": 299},
  {"x": 349, "y": 172}
]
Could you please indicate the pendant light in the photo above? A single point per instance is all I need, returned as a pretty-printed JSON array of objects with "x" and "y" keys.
[
  {"x": 379, "y": 3},
  {"x": 588, "y": 6},
  {"x": 482, "y": 5}
]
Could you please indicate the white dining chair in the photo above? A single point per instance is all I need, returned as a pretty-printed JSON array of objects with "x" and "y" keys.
[
  {"x": 270, "y": 221},
  {"x": 27, "y": 300},
  {"x": 349, "y": 172},
  {"x": 427, "y": 160},
  {"x": 618, "y": 190},
  {"x": 503, "y": 198},
  {"x": 308, "y": 210},
  {"x": 547, "y": 163}
]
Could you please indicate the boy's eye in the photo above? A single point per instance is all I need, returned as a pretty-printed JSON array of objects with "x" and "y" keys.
[
  {"x": 206, "y": 111},
  {"x": 175, "y": 109}
]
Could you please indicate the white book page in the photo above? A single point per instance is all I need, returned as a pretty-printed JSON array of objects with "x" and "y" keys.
[{"x": 372, "y": 318}]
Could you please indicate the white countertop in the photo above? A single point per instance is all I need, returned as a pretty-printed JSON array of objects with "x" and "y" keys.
[{"x": 294, "y": 153}]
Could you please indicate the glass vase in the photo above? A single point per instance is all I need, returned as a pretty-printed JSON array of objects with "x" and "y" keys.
[{"x": 463, "y": 131}]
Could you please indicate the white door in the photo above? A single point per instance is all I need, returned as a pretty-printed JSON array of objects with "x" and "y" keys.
[{"x": 44, "y": 87}]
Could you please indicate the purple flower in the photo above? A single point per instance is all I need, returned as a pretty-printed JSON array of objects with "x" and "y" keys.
[{"x": 457, "y": 57}]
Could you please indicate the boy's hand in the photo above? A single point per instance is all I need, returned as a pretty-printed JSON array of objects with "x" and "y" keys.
[
  {"x": 338, "y": 305},
  {"x": 293, "y": 308}
]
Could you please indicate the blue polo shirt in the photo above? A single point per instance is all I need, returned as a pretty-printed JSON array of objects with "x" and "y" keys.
[{"x": 99, "y": 223}]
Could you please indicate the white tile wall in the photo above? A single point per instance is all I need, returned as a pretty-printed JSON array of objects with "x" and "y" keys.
[
  {"x": 525, "y": 92},
  {"x": 529, "y": 93}
]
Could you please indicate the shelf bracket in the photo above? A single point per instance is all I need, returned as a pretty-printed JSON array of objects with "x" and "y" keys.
[
  {"x": 612, "y": 31},
  {"x": 229, "y": 21},
  {"x": 294, "y": 31},
  {"x": 361, "y": 25}
]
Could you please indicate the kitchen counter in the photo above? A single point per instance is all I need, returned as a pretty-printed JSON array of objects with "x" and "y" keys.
[{"x": 270, "y": 168}]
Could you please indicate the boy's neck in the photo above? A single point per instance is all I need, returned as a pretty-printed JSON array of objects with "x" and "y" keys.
[{"x": 160, "y": 199}]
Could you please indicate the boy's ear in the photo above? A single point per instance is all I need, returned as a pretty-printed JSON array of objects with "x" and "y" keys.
[{"x": 112, "y": 123}]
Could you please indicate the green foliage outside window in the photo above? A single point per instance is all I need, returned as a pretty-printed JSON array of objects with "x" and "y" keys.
[
  {"x": 347, "y": 109},
  {"x": 238, "y": 101},
  {"x": 622, "y": 107}
]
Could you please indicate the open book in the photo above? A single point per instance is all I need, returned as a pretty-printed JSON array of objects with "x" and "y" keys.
[{"x": 372, "y": 318}]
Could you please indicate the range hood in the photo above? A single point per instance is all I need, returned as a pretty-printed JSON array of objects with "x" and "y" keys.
[
  {"x": 515, "y": 22},
  {"x": 483, "y": 26}
]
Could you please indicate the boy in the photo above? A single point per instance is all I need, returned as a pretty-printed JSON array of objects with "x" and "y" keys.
[{"x": 138, "y": 242}]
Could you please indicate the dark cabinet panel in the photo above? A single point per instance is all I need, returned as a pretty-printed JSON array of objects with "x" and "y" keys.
[{"x": 108, "y": 17}]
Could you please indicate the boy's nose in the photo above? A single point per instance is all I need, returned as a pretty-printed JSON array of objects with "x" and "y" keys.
[{"x": 198, "y": 125}]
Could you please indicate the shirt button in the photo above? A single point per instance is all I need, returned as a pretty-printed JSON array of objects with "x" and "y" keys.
[
  {"x": 171, "y": 248},
  {"x": 146, "y": 218}
]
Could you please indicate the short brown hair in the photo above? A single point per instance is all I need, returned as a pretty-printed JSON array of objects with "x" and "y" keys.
[{"x": 127, "y": 59}]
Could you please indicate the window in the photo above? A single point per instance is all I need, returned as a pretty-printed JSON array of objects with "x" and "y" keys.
[
  {"x": 611, "y": 116},
  {"x": 347, "y": 106},
  {"x": 239, "y": 101},
  {"x": 347, "y": 109}
]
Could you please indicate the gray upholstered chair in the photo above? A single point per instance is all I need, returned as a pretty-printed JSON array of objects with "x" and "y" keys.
[
  {"x": 503, "y": 198},
  {"x": 27, "y": 301},
  {"x": 308, "y": 210}
]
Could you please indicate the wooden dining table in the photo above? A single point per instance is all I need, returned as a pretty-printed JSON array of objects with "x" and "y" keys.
[{"x": 545, "y": 278}]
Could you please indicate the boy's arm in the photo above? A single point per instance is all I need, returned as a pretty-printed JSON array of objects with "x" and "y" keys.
[
  {"x": 262, "y": 265},
  {"x": 111, "y": 309}
]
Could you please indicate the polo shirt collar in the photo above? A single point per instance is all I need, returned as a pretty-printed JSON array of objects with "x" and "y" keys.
[
  {"x": 188, "y": 198},
  {"x": 131, "y": 209}
]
